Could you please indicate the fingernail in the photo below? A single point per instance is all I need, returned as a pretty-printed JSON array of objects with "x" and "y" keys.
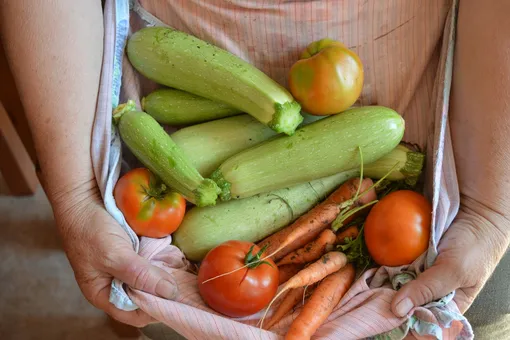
[
  {"x": 166, "y": 289},
  {"x": 404, "y": 307}
]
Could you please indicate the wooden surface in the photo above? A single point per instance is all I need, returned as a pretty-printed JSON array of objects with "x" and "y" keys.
[
  {"x": 17, "y": 167},
  {"x": 9, "y": 97},
  {"x": 17, "y": 152}
]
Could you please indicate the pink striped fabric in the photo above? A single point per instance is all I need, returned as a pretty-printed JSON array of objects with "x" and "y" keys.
[{"x": 406, "y": 47}]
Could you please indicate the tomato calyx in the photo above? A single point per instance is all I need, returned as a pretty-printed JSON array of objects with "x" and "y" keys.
[
  {"x": 156, "y": 189},
  {"x": 317, "y": 46},
  {"x": 252, "y": 261}
]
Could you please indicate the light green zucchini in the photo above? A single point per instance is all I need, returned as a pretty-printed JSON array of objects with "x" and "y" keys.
[
  {"x": 152, "y": 146},
  {"x": 323, "y": 148},
  {"x": 254, "y": 218},
  {"x": 182, "y": 61},
  {"x": 176, "y": 107},
  {"x": 250, "y": 219},
  {"x": 208, "y": 144}
]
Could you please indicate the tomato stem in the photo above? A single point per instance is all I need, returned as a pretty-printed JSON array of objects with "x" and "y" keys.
[
  {"x": 157, "y": 189},
  {"x": 253, "y": 260}
]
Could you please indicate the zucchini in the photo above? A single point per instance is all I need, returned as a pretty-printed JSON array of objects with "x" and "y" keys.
[
  {"x": 176, "y": 107},
  {"x": 182, "y": 61},
  {"x": 253, "y": 219},
  {"x": 320, "y": 149},
  {"x": 208, "y": 144},
  {"x": 250, "y": 219},
  {"x": 152, "y": 146}
]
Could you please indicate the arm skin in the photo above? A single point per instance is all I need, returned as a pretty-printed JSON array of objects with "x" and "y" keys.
[
  {"x": 480, "y": 110},
  {"x": 480, "y": 125},
  {"x": 55, "y": 51}
]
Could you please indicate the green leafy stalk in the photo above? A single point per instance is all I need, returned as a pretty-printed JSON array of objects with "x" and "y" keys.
[
  {"x": 360, "y": 174},
  {"x": 338, "y": 222},
  {"x": 357, "y": 252}
]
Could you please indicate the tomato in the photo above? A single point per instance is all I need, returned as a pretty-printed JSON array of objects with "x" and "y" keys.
[
  {"x": 150, "y": 208},
  {"x": 243, "y": 292},
  {"x": 397, "y": 229},
  {"x": 328, "y": 78}
]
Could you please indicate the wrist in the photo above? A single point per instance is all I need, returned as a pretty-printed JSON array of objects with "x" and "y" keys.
[
  {"x": 486, "y": 223},
  {"x": 73, "y": 199}
]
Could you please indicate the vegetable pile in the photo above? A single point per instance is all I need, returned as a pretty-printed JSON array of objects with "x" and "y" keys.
[{"x": 297, "y": 189}]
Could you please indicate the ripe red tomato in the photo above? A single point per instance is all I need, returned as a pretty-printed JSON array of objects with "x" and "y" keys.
[
  {"x": 397, "y": 229},
  {"x": 150, "y": 208},
  {"x": 244, "y": 292},
  {"x": 328, "y": 79}
]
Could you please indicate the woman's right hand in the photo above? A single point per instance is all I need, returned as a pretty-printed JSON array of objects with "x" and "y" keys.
[{"x": 100, "y": 250}]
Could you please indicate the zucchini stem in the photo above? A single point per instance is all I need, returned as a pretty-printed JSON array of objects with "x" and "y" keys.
[
  {"x": 286, "y": 118},
  {"x": 121, "y": 109}
]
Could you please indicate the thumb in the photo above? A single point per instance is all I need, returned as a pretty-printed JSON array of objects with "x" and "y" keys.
[
  {"x": 138, "y": 273},
  {"x": 432, "y": 284}
]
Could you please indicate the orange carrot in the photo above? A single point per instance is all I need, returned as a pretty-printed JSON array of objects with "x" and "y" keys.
[
  {"x": 321, "y": 304},
  {"x": 289, "y": 301},
  {"x": 327, "y": 264},
  {"x": 351, "y": 232},
  {"x": 310, "y": 225},
  {"x": 287, "y": 271},
  {"x": 312, "y": 251}
]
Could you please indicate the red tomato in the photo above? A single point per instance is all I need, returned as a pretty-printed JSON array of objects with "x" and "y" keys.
[
  {"x": 397, "y": 229},
  {"x": 150, "y": 208},
  {"x": 244, "y": 292},
  {"x": 328, "y": 79}
]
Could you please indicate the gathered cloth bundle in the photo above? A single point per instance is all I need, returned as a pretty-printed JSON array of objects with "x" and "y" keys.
[{"x": 407, "y": 50}]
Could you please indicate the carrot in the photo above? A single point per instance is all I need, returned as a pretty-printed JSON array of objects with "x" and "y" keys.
[
  {"x": 289, "y": 301},
  {"x": 327, "y": 264},
  {"x": 351, "y": 232},
  {"x": 321, "y": 304},
  {"x": 312, "y": 251},
  {"x": 287, "y": 271},
  {"x": 310, "y": 225}
]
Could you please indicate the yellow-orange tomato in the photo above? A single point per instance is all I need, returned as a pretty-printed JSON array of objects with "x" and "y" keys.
[
  {"x": 150, "y": 208},
  {"x": 397, "y": 229},
  {"x": 328, "y": 78}
]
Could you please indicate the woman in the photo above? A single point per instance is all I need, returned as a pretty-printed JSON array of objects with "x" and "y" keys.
[{"x": 55, "y": 53}]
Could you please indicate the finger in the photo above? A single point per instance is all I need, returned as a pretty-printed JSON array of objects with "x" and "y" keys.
[
  {"x": 136, "y": 318},
  {"x": 432, "y": 284},
  {"x": 140, "y": 274}
]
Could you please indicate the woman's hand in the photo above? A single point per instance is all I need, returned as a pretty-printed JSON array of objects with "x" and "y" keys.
[
  {"x": 468, "y": 254},
  {"x": 100, "y": 250}
]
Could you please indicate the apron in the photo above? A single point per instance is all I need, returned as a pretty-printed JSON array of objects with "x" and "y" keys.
[{"x": 406, "y": 47}]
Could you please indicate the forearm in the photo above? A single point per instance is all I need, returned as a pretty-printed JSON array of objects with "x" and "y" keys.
[
  {"x": 480, "y": 110},
  {"x": 54, "y": 49}
]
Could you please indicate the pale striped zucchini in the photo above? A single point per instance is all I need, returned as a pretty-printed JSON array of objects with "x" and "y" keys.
[
  {"x": 182, "y": 61},
  {"x": 152, "y": 146},
  {"x": 250, "y": 219},
  {"x": 321, "y": 149},
  {"x": 209, "y": 144},
  {"x": 176, "y": 107}
]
